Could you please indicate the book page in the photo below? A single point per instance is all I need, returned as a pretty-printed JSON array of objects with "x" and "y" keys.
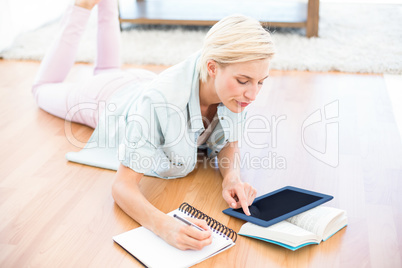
[
  {"x": 283, "y": 232},
  {"x": 335, "y": 225},
  {"x": 153, "y": 251},
  {"x": 316, "y": 219}
]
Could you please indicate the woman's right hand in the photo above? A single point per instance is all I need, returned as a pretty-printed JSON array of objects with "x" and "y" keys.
[
  {"x": 183, "y": 236},
  {"x": 127, "y": 195}
]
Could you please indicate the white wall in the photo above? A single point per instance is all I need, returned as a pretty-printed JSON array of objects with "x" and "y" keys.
[{"x": 18, "y": 16}]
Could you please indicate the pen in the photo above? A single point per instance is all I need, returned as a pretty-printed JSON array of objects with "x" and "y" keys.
[{"x": 188, "y": 222}]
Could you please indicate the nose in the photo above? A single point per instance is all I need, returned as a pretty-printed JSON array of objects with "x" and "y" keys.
[{"x": 251, "y": 93}]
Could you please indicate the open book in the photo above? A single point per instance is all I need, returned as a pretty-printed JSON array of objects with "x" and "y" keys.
[
  {"x": 310, "y": 227},
  {"x": 152, "y": 251}
]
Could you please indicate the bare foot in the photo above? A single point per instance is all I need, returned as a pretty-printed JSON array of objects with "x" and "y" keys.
[{"x": 88, "y": 4}]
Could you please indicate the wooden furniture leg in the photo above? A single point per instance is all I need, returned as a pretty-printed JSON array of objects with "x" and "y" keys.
[{"x": 312, "y": 18}]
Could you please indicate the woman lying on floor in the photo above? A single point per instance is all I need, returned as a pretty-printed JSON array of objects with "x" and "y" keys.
[{"x": 164, "y": 119}]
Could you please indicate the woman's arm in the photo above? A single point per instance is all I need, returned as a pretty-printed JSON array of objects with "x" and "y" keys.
[
  {"x": 236, "y": 193},
  {"x": 127, "y": 195}
]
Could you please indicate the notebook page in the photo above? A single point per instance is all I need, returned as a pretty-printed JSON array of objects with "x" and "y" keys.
[{"x": 155, "y": 252}]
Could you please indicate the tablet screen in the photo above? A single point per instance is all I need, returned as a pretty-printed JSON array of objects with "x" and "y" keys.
[{"x": 279, "y": 204}]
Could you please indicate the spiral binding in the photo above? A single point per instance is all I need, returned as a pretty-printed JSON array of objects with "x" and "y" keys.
[{"x": 214, "y": 224}]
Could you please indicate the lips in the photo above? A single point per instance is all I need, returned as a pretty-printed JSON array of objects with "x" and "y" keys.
[{"x": 243, "y": 104}]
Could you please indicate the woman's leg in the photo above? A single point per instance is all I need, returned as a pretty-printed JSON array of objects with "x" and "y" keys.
[
  {"x": 60, "y": 57},
  {"x": 64, "y": 99},
  {"x": 79, "y": 102},
  {"x": 108, "y": 37},
  {"x": 49, "y": 91}
]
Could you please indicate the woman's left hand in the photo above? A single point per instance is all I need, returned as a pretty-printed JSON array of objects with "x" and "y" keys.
[{"x": 238, "y": 194}]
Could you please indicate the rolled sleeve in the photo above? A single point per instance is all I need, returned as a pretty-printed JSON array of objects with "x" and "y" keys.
[
  {"x": 238, "y": 130},
  {"x": 141, "y": 138},
  {"x": 139, "y": 159},
  {"x": 229, "y": 129}
]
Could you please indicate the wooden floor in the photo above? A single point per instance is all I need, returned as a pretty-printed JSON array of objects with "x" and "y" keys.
[{"x": 59, "y": 214}]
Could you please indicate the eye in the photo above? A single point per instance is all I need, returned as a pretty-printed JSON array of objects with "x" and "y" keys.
[
  {"x": 241, "y": 82},
  {"x": 261, "y": 83}
]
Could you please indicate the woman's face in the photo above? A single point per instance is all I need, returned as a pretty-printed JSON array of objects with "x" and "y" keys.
[{"x": 238, "y": 84}]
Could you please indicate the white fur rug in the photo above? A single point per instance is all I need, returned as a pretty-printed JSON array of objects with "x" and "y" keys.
[{"x": 353, "y": 38}]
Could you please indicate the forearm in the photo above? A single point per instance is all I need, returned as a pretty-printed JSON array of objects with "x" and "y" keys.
[
  {"x": 236, "y": 193},
  {"x": 127, "y": 195},
  {"x": 229, "y": 162}
]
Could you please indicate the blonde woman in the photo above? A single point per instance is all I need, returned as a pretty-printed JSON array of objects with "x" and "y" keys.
[{"x": 161, "y": 121}]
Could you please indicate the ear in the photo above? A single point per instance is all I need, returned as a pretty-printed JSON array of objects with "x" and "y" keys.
[{"x": 212, "y": 67}]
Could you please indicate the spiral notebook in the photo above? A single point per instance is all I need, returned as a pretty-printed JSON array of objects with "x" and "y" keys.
[{"x": 152, "y": 251}]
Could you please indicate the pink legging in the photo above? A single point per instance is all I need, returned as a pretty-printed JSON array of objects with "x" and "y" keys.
[{"x": 70, "y": 100}]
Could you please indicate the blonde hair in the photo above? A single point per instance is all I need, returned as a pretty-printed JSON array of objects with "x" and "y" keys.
[{"x": 234, "y": 39}]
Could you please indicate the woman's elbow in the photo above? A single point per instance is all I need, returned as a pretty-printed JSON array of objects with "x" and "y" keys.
[
  {"x": 119, "y": 185},
  {"x": 125, "y": 183},
  {"x": 116, "y": 189}
]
